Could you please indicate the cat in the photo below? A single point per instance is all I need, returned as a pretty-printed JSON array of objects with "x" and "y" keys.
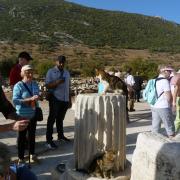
[
  {"x": 102, "y": 166},
  {"x": 114, "y": 84},
  {"x": 111, "y": 83}
]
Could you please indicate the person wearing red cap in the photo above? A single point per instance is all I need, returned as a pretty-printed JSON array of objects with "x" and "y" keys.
[{"x": 15, "y": 73}]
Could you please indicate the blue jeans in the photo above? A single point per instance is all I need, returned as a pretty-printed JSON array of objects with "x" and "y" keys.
[{"x": 163, "y": 115}]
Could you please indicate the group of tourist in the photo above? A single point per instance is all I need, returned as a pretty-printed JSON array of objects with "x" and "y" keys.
[
  {"x": 26, "y": 95},
  {"x": 25, "y": 99},
  {"x": 167, "y": 107}
]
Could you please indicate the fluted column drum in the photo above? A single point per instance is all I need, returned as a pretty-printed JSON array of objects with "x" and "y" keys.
[{"x": 100, "y": 124}]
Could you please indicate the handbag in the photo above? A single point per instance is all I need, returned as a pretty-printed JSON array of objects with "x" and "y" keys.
[
  {"x": 38, "y": 111},
  {"x": 38, "y": 114}
]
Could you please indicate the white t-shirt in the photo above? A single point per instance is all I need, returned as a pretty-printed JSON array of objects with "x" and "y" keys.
[
  {"x": 162, "y": 85},
  {"x": 130, "y": 80}
]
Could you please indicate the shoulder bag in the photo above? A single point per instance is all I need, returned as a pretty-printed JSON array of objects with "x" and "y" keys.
[{"x": 38, "y": 111}]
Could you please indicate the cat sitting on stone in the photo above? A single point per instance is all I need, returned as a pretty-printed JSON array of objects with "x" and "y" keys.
[
  {"x": 110, "y": 83},
  {"x": 102, "y": 166}
]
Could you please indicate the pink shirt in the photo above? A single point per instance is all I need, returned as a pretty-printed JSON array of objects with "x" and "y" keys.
[{"x": 175, "y": 79}]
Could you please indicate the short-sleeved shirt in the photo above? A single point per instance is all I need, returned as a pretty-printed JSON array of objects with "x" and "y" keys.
[
  {"x": 162, "y": 86},
  {"x": 15, "y": 74},
  {"x": 130, "y": 80},
  {"x": 61, "y": 92}
]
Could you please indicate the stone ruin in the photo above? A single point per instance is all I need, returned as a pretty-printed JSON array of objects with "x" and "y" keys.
[
  {"x": 100, "y": 124},
  {"x": 156, "y": 158}
]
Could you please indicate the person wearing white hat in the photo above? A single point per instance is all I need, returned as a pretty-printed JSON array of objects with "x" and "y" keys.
[
  {"x": 161, "y": 110},
  {"x": 25, "y": 99}
]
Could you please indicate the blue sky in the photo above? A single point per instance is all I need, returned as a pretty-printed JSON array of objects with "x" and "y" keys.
[{"x": 167, "y": 9}]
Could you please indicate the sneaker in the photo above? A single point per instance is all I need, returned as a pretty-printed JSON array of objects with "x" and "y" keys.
[
  {"x": 21, "y": 161},
  {"x": 51, "y": 145},
  {"x": 34, "y": 158},
  {"x": 65, "y": 139}
]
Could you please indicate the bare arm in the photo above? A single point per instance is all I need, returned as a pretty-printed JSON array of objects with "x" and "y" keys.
[
  {"x": 175, "y": 93},
  {"x": 30, "y": 99},
  {"x": 15, "y": 126},
  {"x": 54, "y": 84},
  {"x": 168, "y": 96}
]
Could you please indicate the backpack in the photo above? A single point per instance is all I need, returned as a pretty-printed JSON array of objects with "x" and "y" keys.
[{"x": 150, "y": 94}]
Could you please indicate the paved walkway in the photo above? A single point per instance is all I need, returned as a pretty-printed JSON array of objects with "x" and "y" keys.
[{"x": 140, "y": 122}]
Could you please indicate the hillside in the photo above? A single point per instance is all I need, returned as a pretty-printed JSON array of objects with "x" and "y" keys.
[
  {"x": 52, "y": 22},
  {"x": 47, "y": 28}
]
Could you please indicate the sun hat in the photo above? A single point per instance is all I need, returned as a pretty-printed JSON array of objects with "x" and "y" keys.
[{"x": 26, "y": 67}]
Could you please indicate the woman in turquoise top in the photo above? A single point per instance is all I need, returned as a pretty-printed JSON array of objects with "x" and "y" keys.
[{"x": 25, "y": 103}]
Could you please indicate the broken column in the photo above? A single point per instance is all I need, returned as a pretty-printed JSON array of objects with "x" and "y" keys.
[{"x": 100, "y": 124}]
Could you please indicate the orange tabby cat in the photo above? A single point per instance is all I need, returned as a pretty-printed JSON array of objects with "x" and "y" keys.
[{"x": 103, "y": 165}]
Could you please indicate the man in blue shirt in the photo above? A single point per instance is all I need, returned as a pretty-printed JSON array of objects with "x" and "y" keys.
[{"x": 58, "y": 83}]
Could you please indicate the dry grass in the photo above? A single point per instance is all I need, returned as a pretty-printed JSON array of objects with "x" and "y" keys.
[{"x": 81, "y": 53}]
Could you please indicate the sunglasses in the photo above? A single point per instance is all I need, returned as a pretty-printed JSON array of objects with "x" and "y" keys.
[{"x": 168, "y": 71}]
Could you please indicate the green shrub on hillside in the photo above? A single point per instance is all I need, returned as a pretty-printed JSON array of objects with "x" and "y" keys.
[
  {"x": 42, "y": 68},
  {"x": 146, "y": 68},
  {"x": 51, "y": 22},
  {"x": 88, "y": 69}
]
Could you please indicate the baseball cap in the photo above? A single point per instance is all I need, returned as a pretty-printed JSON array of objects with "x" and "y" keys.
[
  {"x": 26, "y": 67},
  {"x": 25, "y": 55},
  {"x": 61, "y": 59}
]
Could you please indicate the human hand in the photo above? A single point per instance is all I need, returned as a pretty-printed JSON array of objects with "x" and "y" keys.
[
  {"x": 34, "y": 98},
  {"x": 62, "y": 80},
  {"x": 20, "y": 125}
]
